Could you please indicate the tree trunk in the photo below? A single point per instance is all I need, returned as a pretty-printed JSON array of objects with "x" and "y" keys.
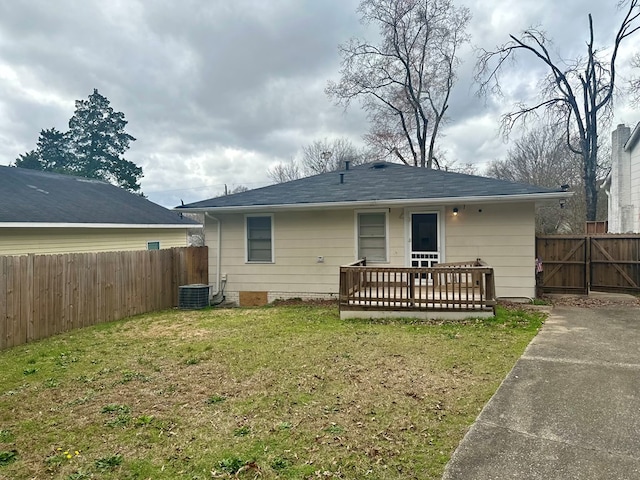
[{"x": 590, "y": 185}]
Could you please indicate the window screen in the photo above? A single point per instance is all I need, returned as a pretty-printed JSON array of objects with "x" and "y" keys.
[
  {"x": 259, "y": 239},
  {"x": 372, "y": 241}
]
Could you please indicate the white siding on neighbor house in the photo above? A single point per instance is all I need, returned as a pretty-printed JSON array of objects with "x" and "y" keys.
[
  {"x": 22, "y": 241},
  {"x": 635, "y": 188},
  {"x": 503, "y": 236},
  {"x": 623, "y": 188}
]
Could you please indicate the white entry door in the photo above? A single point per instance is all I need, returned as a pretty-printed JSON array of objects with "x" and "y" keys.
[{"x": 424, "y": 240}]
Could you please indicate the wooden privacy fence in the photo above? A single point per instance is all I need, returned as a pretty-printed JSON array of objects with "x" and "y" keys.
[
  {"x": 579, "y": 263},
  {"x": 42, "y": 295}
]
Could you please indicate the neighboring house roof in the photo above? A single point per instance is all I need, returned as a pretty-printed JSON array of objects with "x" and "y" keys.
[
  {"x": 29, "y": 197},
  {"x": 378, "y": 183}
]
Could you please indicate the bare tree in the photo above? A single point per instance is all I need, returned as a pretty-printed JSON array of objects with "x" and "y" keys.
[
  {"x": 404, "y": 82},
  {"x": 323, "y": 156},
  {"x": 237, "y": 189},
  {"x": 541, "y": 157},
  {"x": 453, "y": 166},
  {"x": 575, "y": 94},
  {"x": 634, "y": 83},
  {"x": 284, "y": 172},
  {"x": 320, "y": 156}
]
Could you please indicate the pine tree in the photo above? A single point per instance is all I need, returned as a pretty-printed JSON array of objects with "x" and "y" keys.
[
  {"x": 53, "y": 151},
  {"x": 29, "y": 160},
  {"x": 98, "y": 141},
  {"x": 93, "y": 147}
]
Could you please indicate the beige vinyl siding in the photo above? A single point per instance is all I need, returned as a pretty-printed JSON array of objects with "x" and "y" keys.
[
  {"x": 299, "y": 238},
  {"x": 501, "y": 235},
  {"x": 396, "y": 237},
  {"x": 21, "y": 241}
]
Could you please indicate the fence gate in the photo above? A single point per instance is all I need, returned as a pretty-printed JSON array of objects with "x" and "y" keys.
[
  {"x": 564, "y": 261},
  {"x": 577, "y": 264},
  {"x": 615, "y": 263}
]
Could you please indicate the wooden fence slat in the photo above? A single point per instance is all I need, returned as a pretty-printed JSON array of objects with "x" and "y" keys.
[
  {"x": 58, "y": 312},
  {"x": 4, "y": 321},
  {"x": 26, "y": 303},
  {"x": 22, "y": 318},
  {"x": 38, "y": 328},
  {"x": 13, "y": 305}
]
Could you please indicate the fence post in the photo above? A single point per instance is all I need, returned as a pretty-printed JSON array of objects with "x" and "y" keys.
[{"x": 587, "y": 263}]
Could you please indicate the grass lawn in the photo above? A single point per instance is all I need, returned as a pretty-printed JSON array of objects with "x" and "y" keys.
[{"x": 272, "y": 392}]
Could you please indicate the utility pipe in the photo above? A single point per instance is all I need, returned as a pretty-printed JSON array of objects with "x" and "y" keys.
[{"x": 219, "y": 251}]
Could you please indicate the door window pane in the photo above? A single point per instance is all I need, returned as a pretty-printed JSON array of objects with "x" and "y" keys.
[{"x": 424, "y": 232}]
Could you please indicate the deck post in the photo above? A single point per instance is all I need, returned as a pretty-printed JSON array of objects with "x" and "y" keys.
[{"x": 490, "y": 297}]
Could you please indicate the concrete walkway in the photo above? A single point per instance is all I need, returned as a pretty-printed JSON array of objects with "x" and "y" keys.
[{"x": 569, "y": 409}]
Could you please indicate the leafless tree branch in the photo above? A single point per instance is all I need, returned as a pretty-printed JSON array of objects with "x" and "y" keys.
[
  {"x": 578, "y": 95},
  {"x": 405, "y": 81}
]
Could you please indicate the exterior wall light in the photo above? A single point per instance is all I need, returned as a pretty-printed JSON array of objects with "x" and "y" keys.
[{"x": 455, "y": 211}]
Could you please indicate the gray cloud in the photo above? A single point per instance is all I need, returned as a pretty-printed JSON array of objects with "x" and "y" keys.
[{"x": 217, "y": 91}]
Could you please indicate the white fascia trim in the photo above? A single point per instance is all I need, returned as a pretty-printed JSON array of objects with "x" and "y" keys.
[
  {"x": 537, "y": 197},
  {"x": 93, "y": 225}
]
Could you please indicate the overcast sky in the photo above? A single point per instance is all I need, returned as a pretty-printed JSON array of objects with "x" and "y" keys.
[{"x": 217, "y": 91}]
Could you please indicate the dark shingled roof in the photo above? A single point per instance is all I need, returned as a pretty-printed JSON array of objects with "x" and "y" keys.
[
  {"x": 43, "y": 197},
  {"x": 373, "y": 182}
]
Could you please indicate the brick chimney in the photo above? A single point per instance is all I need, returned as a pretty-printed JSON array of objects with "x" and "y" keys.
[{"x": 620, "y": 190}]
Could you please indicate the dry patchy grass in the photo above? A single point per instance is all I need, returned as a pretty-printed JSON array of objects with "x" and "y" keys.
[{"x": 275, "y": 392}]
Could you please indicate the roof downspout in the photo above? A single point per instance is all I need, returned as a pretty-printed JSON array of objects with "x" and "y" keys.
[{"x": 218, "y": 251}]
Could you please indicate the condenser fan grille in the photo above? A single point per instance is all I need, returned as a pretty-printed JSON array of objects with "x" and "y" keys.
[{"x": 193, "y": 296}]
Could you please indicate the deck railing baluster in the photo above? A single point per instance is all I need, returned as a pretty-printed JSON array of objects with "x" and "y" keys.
[
  {"x": 395, "y": 283},
  {"x": 446, "y": 289}
]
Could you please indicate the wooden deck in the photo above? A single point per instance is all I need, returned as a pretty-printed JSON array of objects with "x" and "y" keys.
[{"x": 445, "y": 291}]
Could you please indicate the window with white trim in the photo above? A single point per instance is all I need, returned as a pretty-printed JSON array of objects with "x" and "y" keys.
[
  {"x": 372, "y": 236},
  {"x": 259, "y": 238}
]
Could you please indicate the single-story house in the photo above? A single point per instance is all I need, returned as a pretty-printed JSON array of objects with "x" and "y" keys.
[
  {"x": 47, "y": 213},
  {"x": 288, "y": 240},
  {"x": 622, "y": 185}
]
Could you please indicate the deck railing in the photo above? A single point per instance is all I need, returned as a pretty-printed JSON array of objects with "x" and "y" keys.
[{"x": 452, "y": 287}]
